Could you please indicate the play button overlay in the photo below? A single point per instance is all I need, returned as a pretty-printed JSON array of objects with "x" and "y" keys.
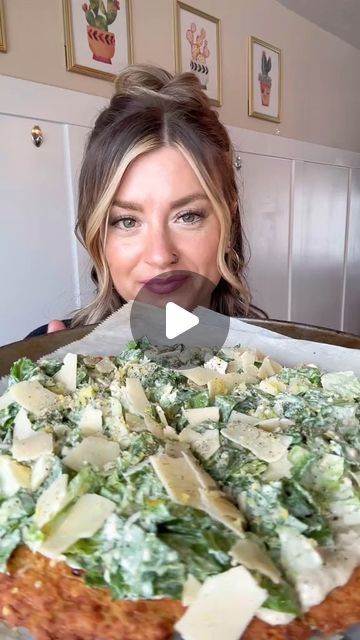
[
  {"x": 173, "y": 310},
  {"x": 178, "y": 320}
]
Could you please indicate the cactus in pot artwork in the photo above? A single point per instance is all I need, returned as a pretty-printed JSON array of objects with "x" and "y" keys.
[
  {"x": 99, "y": 16},
  {"x": 265, "y": 80}
]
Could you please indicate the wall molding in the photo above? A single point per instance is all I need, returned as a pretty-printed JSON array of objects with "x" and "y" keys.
[
  {"x": 54, "y": 104},
  {"x": 265, "y": 144},
  {"x": 45, "y": 102}
]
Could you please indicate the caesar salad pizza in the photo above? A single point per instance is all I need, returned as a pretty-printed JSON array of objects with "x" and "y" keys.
[{"x": 224, "y": 482}]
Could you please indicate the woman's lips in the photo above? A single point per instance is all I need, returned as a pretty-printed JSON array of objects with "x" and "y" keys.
[{"x": 166, "y": 285}]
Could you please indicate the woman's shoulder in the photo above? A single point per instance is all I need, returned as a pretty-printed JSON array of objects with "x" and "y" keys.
[{"x": 41, "y": 331}]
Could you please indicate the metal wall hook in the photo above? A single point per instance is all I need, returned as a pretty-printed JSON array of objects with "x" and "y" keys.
[{"x": 37, "y": 135}]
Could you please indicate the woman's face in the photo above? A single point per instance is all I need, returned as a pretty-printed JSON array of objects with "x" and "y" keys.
[{"x": 161, "y": 222}]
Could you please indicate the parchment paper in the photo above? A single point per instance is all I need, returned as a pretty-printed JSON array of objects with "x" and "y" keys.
[{"x": 112, "y": 336}]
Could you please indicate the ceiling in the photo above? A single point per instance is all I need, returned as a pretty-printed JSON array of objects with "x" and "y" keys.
[{"x": 339, "y": 17}]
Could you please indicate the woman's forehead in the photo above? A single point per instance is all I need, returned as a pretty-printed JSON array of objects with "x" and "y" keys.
[{"x": 162, "y": 174}]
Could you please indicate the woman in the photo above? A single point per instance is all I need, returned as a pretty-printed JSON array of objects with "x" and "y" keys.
[{"x": 157, "y": 194}]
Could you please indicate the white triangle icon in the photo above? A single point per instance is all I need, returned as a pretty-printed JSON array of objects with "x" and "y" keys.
[{"x": 178, "y": 320}]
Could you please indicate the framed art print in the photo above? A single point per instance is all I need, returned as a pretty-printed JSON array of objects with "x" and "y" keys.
[
  {"x": 98, "y": 39},
  {"x": 2, "y": 29},
  {"x": 264, "y": 80},
  {"x": 197, "y": 48}
]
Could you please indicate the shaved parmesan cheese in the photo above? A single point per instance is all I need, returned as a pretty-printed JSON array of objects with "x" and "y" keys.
[
  {"x": 216, "y": 504},
  {"x": 196, "y": 416},
  {"x": 233, "y": 352},
  {"x": 5, "y": 400},
  {"x": 237, "y": 416},
  {"x": 174, "y": 448},
  {"x": 252, "y": 556},
  {"x": 268, "y": 368},
  {"x": 224, "y": 384},
  {"x": 190, "y": 590},
  {"x": 40, "y": 470},
  {"x": 154, "y": 427},
  {"x": 223, "y": 608},
  {"x": 271, "y": 424},
  {"x": 278, "y": 470},
  {"x": 204, "y": 479},
  {"x": 275, "y": 424},
  {"x": 134, "y": 422},
  {"x": 162, "y": 417},
  {"x": 216, "y": 387},
  {"x": 200, "y": 375},
  {"x": 247, "y": 360},
  {"x": 32, "y": 396},
  {"x": 40, "y": 444},
  {"x": 13, "y": 476},
  {"x": 138, "y": 402},
  {"x": 22, "y": 426},
  {"x": 204, "y": 444},
  {"x": 187, "y": 483},
  {"x": 90, "y": 421},
  {"x": 83, "y": 520},
  {"x": 233, "y": 366},
  {"x": 94, "y": 451},
  {"x": 170, "y": 433},
  {"x": 67, "y": 374},
  {"x": 51, "y": 501},
  {"x": 176, "y": 476},
  {"x": 272, "y": 385},
  {"x": 262, "y": 444},
  {"x": 105, "y": 365}
]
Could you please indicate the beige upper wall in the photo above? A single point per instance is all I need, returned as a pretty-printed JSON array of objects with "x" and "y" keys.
[{"x": 321, "y": 97}]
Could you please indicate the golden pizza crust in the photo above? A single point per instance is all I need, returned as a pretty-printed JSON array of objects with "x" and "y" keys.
[{"x": 55, "y": 604}]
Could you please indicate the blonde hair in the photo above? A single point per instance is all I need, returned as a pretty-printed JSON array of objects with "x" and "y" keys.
[{"x": 151, "y": 109}]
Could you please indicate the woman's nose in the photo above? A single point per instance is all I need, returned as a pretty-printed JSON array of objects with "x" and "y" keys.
[{"x": 160, "y": 250}]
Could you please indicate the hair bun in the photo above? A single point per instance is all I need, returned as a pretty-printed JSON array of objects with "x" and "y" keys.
[
  {"x": 138, "y": 79},
  {"x": 135, "y": 78}
]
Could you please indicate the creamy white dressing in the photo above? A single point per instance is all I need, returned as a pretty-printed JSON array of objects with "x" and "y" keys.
[
  {"x": 338, "y": 564},
  {"x": 274, "y": 617}
]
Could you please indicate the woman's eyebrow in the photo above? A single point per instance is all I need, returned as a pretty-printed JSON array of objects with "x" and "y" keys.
[{"x": 181, "y": 202}]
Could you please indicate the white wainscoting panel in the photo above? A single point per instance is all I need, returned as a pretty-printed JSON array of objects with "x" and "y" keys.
[
  {"x": 38, "y": 278},
  {"x": 76, "y": 138},
  {"x": 352, "y": 289},
  {"x": 264, "y": 187},
  {"x": 318, "y": 243}
]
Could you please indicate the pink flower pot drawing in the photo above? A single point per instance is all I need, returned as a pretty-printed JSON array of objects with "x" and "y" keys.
[{"x": 102, "y": 44}]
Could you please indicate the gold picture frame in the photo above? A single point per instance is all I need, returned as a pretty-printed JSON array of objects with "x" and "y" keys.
[
  {"x": 264, "y": 90},
  {"x": 198, "y": 48},
  {"x": 3, "y": 45},
  {"x": 90, "y": 50}
]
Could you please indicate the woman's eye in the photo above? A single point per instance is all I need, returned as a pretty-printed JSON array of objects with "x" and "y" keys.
[
  {"x": 125, "y": 223},
  {"x": 191, "y": 217}
]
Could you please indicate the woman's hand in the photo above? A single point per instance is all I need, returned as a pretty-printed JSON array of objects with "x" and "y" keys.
[{"x": 55, "y": 325}]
